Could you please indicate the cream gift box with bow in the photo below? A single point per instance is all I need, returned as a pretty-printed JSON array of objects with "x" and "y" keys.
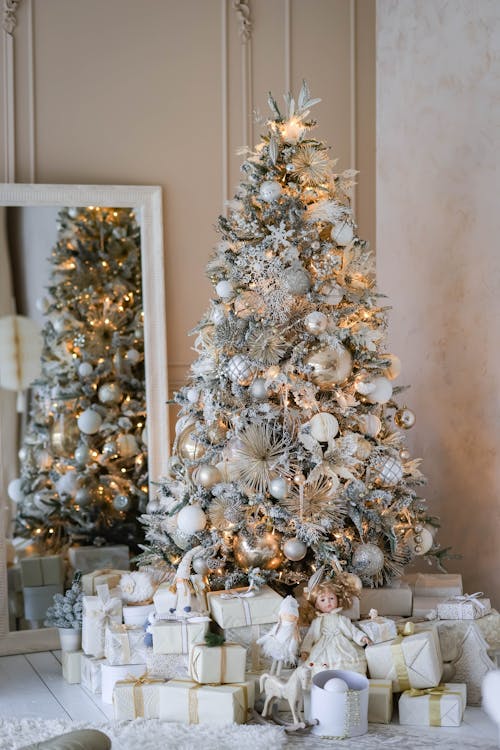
[
  {"x": 217, "y": 664},
  {"x": 111, "y": 674},
  {"x": 441, "y": 706},
  {"x": 183, "y": 700},
  {"x": 380, "y": 703},
  {"x": 103, "y": 577},
  {"x": 466, "y": 607},
  {"x": 410, "y": 660},
  {"x": 238, "y": 607},
  {"x": 378, "y": 629},
  {"x": 98, "y": 612},
  {"x": 91, "y": 673},
  {"x": 137, "y": 697},
  {"x": 124, "y": 644},
  {"x": 177, "y": 636}
]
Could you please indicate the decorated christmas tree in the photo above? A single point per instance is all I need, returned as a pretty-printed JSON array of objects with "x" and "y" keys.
[
  {"x": 290, "y": 450},
  {"x": 83, "y": 461}
]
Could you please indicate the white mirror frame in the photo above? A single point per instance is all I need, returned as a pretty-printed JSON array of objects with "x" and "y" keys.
[{"x": 147, "y": 201}]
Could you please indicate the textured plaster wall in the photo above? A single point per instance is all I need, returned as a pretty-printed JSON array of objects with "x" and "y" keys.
[{"x": 438, "y": 230}]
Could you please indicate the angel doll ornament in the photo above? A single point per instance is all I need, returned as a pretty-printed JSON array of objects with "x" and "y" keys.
[
  {"x": 332, "y": 641},
  {"x": 282, "y": 642}
]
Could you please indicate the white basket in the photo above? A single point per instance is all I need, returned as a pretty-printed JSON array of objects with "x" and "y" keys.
[{"x": 339, "y": 715}]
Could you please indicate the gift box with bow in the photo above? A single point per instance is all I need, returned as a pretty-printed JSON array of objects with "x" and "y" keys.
[
  {"x": 102, "y": 577},
  {"x": 184, "y": 700},
  {"x": 124, "y": 644},
  {"x": 242, "y": 607},
  {"x": 98, "y": 612},
  {"x": 464, "y": 607},
  {"x": 217, "y": 664},
  {"x": 378, "y": 629},
  {"x": 440, "y": 706},
  {"x": 177, "y": 636},
  {"x": 410, "y": 660},
  {"x": 137, "y": 697}
]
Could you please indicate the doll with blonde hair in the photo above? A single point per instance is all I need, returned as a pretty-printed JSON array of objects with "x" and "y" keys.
[{"x": 332, "y": 641}]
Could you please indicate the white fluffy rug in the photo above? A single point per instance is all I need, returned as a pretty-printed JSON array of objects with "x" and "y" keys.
[{"x": 150, "y": 734}]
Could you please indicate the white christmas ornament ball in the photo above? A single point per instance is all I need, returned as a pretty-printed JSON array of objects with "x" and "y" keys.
[
  {"x": 109, "y": 393},
  {"x": 278, "y": 488},
  {"x": 82, "y": 454},
  {"x": 258, "y": 389},
  {"x": 419, "y": 541},
  {"x": 85, "y": 369},
  {"x": 42, "y": 304},
  {"x": 66, "y": 484},
  {"x": 207, "y": 475},
  {"x": 22, "y": 453},
  {"x": 294, "y": 549},
  {"x": 200, "y": 566},
  {"x": 343, "y": 234},
  {"x": 323, "y": 427},
  {"x": 394, "y": 369},
  {"x": 270, "y": 190},
  {"x": 132, "y": 356},
  {"x": 224, "y": 289},
  {"x": 370, "y": 424},
  {"x": 14, "y": 490},
  {"x": 389, "y": 471},
  {"x": 191, "y": 519},
  {"x": 382, "y": 391},
  {"x": 89, "y": 422},
  {"x": 127, "y": 445},
  {"x": 336, "y": 685},
  {"x": 315, "y": 323}
]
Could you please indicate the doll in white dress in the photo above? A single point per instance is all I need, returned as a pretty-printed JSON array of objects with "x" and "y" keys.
[
  {"x": 332, "y": 641},
  {"x": 282, "y": 641}
]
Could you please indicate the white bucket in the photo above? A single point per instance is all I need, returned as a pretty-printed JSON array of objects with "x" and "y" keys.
[{"x": 339, "y": 715}]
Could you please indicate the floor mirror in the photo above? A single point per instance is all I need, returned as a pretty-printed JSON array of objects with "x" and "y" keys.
[{"x": 39, "y": 207}]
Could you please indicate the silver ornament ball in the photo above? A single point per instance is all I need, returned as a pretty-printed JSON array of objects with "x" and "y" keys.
[
  {"x": 270, "y": 190},
  {"x": 85, "y": 369},
  {"x": 315, "y": 323},
  {"x": 294, "y": 549},
  {"x": 200, "y": 566},
  {"x": 82, "y": 454},
  {"x": 83, "y": 497},
  {"x": 121, "y": 502},
  {"x": 258, "y": 389},
  {"x": 207, "y": 475},
  {"x": 389, "y": 471},
  {"x": 278, "y": 488},
  {"x": 297, "y": 280},
  {"x": 240, "y": 370},
  {"x": 368, "y": 559}
]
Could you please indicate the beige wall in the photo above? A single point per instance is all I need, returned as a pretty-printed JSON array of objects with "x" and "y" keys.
[
  {"x": 162, "y": 92},
  {"x": 438, "y": 223}
]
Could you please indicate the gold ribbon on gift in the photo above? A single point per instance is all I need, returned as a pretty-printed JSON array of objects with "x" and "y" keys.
[
  {"x": 193, "y": 716},
  {"x": 398, "y": 657},
  {"x": 137, "y": 683},
  {"x": 196, "y": 654},
  {"x": 121, "y": 632},
  {"x": 435, "y": 694}
]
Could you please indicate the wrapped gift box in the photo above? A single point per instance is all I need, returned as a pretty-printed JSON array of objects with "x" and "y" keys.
[
  {"x": 387, "y": 601},
  {"x": 378, "y": 629},
  {"x": 247, "y": 637},
  {"x": 124, "y": 644},
  {"x": 238, "y": 607},
  {"x": 98, "y": 612},
  {"x": 37, "y": 600},
  {"x": 380, "y": 703},
  {"x": 442, "y": 585},
  {"x": 441, "y": 706},
  {"x": 221, "y": 664},
  {"x": 177, "y": 636},
  {"x": 424, "y": 605},
  {"x": 135, "y": 698},
  {"x": 42, "y": 571},
  {"x": 102, "y": 577},
  {"x": 464, "y": 607},
  {"x": 183, "y": 700},
  {"x": 91, "y": 673},
  {"x": 111, "y": 674},
  {"x": 168, "y": 666},
  {"x": 409, "y": 661},
  {"x": 92, "y": 558},
  {"x": 72, "y": 666}
]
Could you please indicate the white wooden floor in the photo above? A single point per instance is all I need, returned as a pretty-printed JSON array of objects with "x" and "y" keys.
[{"x": 32, "y": 686}]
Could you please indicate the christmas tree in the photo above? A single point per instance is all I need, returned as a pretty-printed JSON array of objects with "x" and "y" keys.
[
  {"x": 83, "y": 461},
  {"x": 290, "y": 449}
]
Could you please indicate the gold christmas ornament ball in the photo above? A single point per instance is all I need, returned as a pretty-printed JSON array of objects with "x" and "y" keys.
[
  {"x": 315, "y": 323},
  {"x": 404, "y": 454},
  {"x": 258, "y": 551},
  {"x": 207, "y": 475},
  {"x": 363, "y": 448},
  {"x": 188, "y": 445},
  {"x": 299, "y": 479},
  {"x": 404, "y": 418},
  {"x": 294, "y": 549},
  {"x": 419, "y": 542},
  {"x": 330, "y": 366},
  {"x": 368, "y": 559}
]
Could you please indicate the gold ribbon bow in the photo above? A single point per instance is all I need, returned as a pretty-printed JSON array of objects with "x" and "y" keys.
[
  {"x": 193, "y": 716},
  {"x": 137, "y": 684},
  {"x": 397, "y": 654},
  {"x": 435, "y": 694},
  {"x": 121, "y": 632}
]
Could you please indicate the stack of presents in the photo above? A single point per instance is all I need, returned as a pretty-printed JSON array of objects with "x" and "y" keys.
[{"x": 430, "y": 648}]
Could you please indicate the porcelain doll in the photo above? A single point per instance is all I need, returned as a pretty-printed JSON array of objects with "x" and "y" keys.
[{"x": 332, "y": 641}]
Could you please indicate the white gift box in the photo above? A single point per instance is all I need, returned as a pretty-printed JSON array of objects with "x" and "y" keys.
[
  {"x": 111, "y": 674},
  {"x": 339, "y": 715},
  {"x": 102, "y": 577},
  {"x": 188, "y": 701},
  {"x": 137, "y": 698},
  {"x": 169, "y": 666},
  {"x": 221, "y": 664},
  {"x": 247, "y": 637},
  {"x": 387, "y": 600},
  {"x": 442, "y": 706},
  {"x": 91, "y": 673},
  {"x": 124, "y": 644},
  {"x": 467, "y": 607},
  {"x": 238, "y": 607},
  {"x": 409, "y": 661},
  {"x": 177, "y": 636},
  {"x": 441, "y": 585},
  {"x": 72, "y": 666},
  {"x": 380, "y": 703},
  {"x": 98, "y": 612},
  {"x": 379, "y": 629},
  {"x": 137, "y": 614},
  {"x": 91, "y": 558}
]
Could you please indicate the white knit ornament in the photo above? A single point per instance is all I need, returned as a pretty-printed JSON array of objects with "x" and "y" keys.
[
  {"x": 270, "y": 190},
  {"x": 323, "y": 427},
  {"x": 381, "y": 392},
  {"x": 191, "y": 519}
]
